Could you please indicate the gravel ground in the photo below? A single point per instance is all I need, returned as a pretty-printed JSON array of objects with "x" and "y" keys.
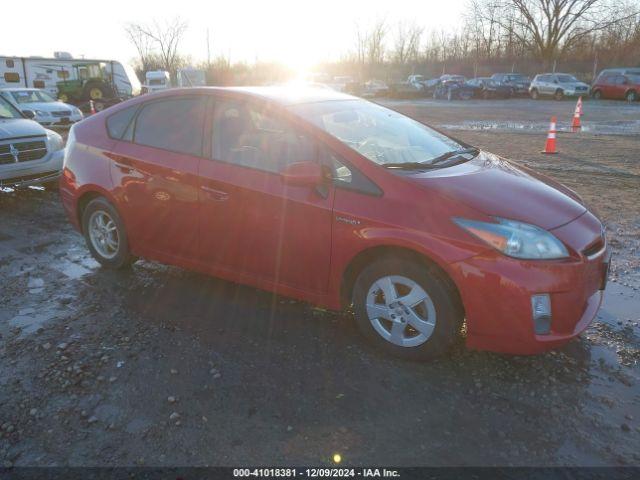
[{"x": 159, "y": 366}]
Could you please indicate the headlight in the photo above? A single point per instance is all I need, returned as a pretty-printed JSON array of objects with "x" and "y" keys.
[
  {"x": 54, "y": 141},
  {"x": 516, "y": 239},
  {"x": 42, "y": 113}
]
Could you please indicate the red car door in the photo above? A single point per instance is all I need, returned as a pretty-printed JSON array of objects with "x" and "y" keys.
[
  {"x": 252, "y": 224},
  {"x": 155, "y": 174}
]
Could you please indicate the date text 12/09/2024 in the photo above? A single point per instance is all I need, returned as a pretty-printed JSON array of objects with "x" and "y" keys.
[{"x": 316, "y": 472}]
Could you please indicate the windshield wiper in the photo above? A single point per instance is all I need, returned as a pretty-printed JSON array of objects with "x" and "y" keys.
[
  {"x": 432, "y": 164},
  {"x": 410, "y": 166},
  {"x": 454, "y": 153}
]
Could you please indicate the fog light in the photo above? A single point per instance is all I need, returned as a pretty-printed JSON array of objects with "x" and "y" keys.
[{"x": 541, "y": 312}]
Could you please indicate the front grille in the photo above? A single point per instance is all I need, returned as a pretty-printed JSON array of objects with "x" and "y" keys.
[
  {"x": 26, "y": 151},
  {"x": 61, "y": 113},
  {"x": 594, "y": 247}
]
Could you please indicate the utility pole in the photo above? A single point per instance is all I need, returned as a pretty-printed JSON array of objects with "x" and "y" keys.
[{"x": 208, "y": 50}]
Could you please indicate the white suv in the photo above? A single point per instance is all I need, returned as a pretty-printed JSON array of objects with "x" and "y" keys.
[{"x": 29, "y": 153}]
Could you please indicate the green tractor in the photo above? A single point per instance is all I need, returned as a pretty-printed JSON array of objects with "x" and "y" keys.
[{"x": 89, "y": 81}]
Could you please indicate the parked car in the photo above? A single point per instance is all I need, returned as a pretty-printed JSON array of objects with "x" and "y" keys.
[
  {"x": 621, "y": 70},
  {"x": 374, "y": 88},
  {"x": 616, "y": 86},
  {"x": 558, "y": 86},
  {"x": 515, "y": 83},
  {"x": 29, "y": 153},
  {"x": 344, "y": 83},
  {"x": 483, "y": 87},
  {"x": 338, "y": 201},
  {"x": 453, "y": 87},
  {"x": 413, "y": 86},
  {"x": 48, "y": 111}
]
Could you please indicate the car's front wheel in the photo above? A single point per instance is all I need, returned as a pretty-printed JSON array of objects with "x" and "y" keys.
[
  {"x": 597, "y": 95},
  {"x": 631, "y": 96},
  {"x": 406, "y": 308},
  {"x": 105, "y": 234},
  {"x": 559, "y": 95},
  {"x": 534, "y": 94}
]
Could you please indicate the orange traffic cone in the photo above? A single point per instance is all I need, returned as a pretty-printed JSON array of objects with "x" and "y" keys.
[
  {"x": 92, "y": 107},
  {"x": 550, "y": 146},
  {"x": 575, "y": 124}
]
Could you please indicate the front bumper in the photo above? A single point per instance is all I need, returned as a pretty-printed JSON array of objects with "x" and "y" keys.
[
  {"x": 496, "y": 292},
  {"x": 576, "y": 93},
  {"x": 37, "y": 172},
  {"x": 58, "y": 121}
]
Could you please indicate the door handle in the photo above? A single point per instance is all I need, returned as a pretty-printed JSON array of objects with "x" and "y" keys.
[
  {"x": 124, "y": 168},
  {"x": 214, "y": 194}
]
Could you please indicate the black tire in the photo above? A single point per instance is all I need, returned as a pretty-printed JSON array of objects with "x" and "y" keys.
[
  {"x": 105, "y": 90},
  {"x": 559, "y": 95},
  {"x": 123, "y": 257},
  {"x": 448, "y": 309},
  {"x": 534, "y": 94},
  {"x": 631, "y": 96},
  {"x": 486, "y": 94},
  {"x": 597, "y": 95}
]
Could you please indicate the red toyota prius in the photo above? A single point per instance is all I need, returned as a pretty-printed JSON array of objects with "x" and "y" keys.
[{"x": 340, "y": 202}]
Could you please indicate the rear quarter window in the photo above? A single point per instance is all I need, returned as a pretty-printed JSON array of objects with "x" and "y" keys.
[{"x": 118, "y": 124}]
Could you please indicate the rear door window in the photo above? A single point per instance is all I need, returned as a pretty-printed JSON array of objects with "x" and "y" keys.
[
  {"x": 174, "y": 124},
  {"x": 249, "y": 136}
]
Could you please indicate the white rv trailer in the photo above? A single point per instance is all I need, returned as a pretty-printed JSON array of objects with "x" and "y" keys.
[
  {"x": 191, "y": 77},
  {"x": 44, "y": 73}
]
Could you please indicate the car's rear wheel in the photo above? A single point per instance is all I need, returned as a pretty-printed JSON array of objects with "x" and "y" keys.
[
  {"x": 631, "y": 96},
  {"x": 597, "y": 95},
  {"x": 407, "y": 309},
  {"x": 559, "y": 95},
  {"x": 105, "y": 234},
  {"x": 534, "y": 94}
]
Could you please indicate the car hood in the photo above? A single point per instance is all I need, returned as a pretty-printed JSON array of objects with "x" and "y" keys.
[
  {"x": 498, "y": 187},
  {"x": 45, "y": 106},
  {"x": 21, "y": 127}
]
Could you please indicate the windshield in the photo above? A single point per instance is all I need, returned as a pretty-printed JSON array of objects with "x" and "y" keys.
[
  {"x": 567, "y": 79},
  {"x": 7, "y": 110},
  {"x": 31, "y": 96},
  {"x": 382, "y": 135}
]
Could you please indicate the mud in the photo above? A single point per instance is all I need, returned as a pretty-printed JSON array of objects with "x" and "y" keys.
[{"x": 159, "y": 366}]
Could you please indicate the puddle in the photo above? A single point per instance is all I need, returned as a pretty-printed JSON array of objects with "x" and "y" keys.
[
  {"x": 621, "y": 304},
  {"x": 74, "y": 270},
  {"x": 622, "y": 127},
  {"x": 30, "y": 320}
]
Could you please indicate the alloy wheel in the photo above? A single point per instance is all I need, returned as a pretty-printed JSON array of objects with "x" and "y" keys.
[{"x": 103, "y": 234}]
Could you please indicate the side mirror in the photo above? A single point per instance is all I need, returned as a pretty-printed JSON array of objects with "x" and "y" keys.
[
  {"x": 29, "y": 114},
  {"x": 302, "y": 174}
]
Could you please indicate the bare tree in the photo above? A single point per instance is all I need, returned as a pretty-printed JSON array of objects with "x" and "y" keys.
[
  {"x": 550, "y": 27},
  {"x": 143, "y": 44},
  {"x": 375, "y": 47},
  {"x": 161, "y": 38},
  {"x": 406, "y": 47}
]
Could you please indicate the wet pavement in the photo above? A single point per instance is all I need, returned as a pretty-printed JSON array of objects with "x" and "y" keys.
[{"x": 160, "y": 366}]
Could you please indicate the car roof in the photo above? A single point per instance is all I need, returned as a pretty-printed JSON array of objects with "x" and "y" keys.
[{"x": 282, "y": 95}]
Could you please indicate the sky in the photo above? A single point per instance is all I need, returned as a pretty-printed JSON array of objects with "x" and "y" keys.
[{"x": 297, "y": 33}]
